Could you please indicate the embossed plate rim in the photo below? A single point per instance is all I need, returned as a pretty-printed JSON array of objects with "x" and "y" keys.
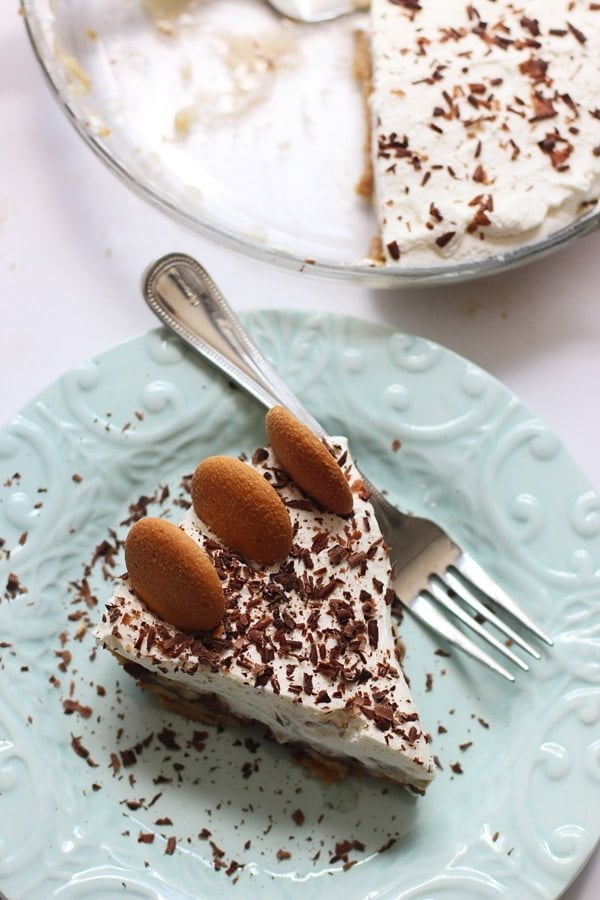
[{"x": 341, "y": 346}]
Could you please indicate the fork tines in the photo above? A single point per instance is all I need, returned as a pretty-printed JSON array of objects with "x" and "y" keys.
[{"x": 466, "y": 591}]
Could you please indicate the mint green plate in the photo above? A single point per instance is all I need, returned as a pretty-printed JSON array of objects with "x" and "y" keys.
[{"x": 520, "y": 818}]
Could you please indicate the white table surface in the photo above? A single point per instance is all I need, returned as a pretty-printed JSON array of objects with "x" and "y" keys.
[{"x": 74, "y": 242}]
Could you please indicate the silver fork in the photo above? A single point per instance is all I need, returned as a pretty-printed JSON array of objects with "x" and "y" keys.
[
  {"x": 313, "y": 11},
  {"x": 431, "y": 572}
]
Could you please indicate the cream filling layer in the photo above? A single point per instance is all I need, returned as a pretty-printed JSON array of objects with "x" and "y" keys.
[{"x": 485, "y": 124}]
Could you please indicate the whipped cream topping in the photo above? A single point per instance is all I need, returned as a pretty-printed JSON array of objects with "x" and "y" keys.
[
  {"x": 306, "y": 647},
  {"x": 485, "y": 123}
]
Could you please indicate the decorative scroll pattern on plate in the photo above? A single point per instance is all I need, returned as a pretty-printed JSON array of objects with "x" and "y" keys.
[{"x": 518, "y": 822}]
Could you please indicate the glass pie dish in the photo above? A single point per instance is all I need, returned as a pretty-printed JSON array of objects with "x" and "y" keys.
[{"x": 247, "y": 128}]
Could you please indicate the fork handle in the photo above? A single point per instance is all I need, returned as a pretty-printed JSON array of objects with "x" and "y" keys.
[{"x": 181, "y": 293}]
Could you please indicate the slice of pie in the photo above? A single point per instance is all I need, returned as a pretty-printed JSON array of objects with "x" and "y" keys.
[{"x": 295, "y": 632}]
